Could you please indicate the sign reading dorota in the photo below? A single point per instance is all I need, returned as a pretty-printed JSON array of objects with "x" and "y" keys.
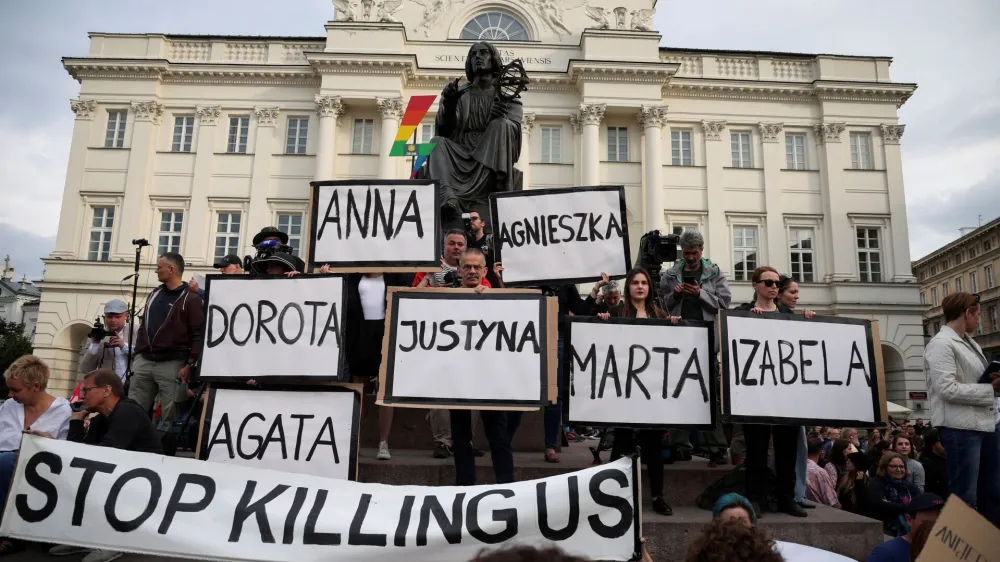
[{"x": 559, "y": 236}]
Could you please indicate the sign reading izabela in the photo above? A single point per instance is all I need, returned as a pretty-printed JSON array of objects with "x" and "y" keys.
[
  {"x": 632, "y": 372},
  {"x": 273, "y": 327},
  {"x": 560, "y": 236},
  {"x": 100, "y": 497},
  {"x": 310, "y": 430},
  {"x": 366, "y": 225},
  {"x": 786, "y": 369}
]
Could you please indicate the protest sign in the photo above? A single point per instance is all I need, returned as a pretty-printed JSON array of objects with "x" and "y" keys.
[
  {"x": 305, "y": 429},
  {"x": 632, "y": 372},
  {"x": 375, "y": 225},
  {"x": 101, "y": 497},
  {"x": 559, "y": 236},
  {"x": 456, "y": 348},
  {"x": 961, "y": 533},
  {"x": 271, "y": 327},
  {"x": 784, "y": 369}
]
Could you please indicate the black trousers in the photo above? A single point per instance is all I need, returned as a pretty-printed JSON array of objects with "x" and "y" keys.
[
  {"x": 499, "y": 428},
  {"x": 785, "y": 447},
  {"x": 650, "y": 442}
]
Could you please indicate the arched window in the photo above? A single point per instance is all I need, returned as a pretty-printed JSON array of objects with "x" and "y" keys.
[{"x": 495, "y": 26}]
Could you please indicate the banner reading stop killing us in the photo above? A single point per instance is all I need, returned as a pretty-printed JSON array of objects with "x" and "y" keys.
[{"x": 98, "y": 497}]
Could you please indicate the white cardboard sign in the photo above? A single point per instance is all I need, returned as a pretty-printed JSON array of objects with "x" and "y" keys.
[
  {"x": 559, "y": 236},
  {"x": 267, "y": 327},
  {"x": 100, "y": 497}
]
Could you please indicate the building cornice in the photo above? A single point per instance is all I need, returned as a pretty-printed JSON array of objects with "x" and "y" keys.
[
  {"x": 987, "y": 228},
  {"x": 896, "y": 93},
  {"x": 617, "y": 71},
  {"x": 368, "y": 64},
  {"x": 737, "y": 90}
]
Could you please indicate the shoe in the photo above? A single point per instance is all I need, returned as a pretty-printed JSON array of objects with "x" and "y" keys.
[
  {"x": 476, "y": 451},
  {"x": 717, "y": 459},
  {"x": 383, "y": 451},
  {"x": 593, "y": 434},
  {"x": 662, "y": 507},
  {"x": 442, "y": 451},
  {"x": 102, "y": 556},
  {"x": 791, "y": 508},
  {"x": 572, "y": 436},
  {"x": 551, "y": 456},
  {"x": 67, "y": 550},
  {"x": 806, "y": 505}
]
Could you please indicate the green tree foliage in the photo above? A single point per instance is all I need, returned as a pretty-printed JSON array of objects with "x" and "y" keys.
[{"x": 13, "y": 344}]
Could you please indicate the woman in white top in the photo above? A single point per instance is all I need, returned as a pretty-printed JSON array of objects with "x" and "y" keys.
[{"x": 29, "y": 407}]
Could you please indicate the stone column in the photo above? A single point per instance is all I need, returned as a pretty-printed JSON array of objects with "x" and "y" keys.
[
  {"x": 392, "y": 111},
  {"x": 901, "y": 269},
  {"x": 773, "y": 152},
  {"x": 131, "y": 217},
  {"x": 577, "y": 124},
  {"x": 330, "y": 108},
  {"x": 524, "y": 162},
  {"x": 652, "y": 118},
  {"x": 835, "y": 157},
  {"x": 717, "y": 157},
  {"x": 260, "y": 182},
  {"x": 70, "y": 216},
  {"x": 591, "y": 116},
  {"x": 198, "y": 220}
]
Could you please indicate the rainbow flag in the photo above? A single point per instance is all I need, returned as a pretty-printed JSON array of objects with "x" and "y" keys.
[{"x": 416, "y": 109}]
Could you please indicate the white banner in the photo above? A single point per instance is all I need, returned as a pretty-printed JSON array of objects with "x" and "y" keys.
[
  {"x": 375, "y": 223},
  {"x": 309, "y": 430},
  {"x": 640, "y": 373},
  {"x": 455, "y": 347},
  {"x": 786, "y": 369},
  {"x": 273, "y": 327},
  {"x": 99, "y": 497},
  {"x": 559, "y": 236}
]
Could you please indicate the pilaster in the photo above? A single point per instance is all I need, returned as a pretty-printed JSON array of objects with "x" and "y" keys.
[
  {"x": 841, "y": 264},
  {"x": 577, "y": 124},
  {"x": 652, "y": 118},
  {"x": 260, "y": 184},
  {"x": 717, "y": 157},
  {"x": 329, "y": 108},
  {"x": 134, "y": 211},
  {"x": 198, "y": 219},
  {"x": 71, "y": 214},
  {"x": 901, "y": 270},
  {"x": 773, "y": 153}
]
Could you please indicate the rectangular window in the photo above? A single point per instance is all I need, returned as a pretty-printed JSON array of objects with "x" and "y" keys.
[
  {"x": 861, "y": 151},
  {"x": 958, "y": 284},
  {"x": 551, "y": 145},
  {"x": 972, "y": 253},
  {"x": 680, "y": 148},
  {"x": 361, "y": 142},
  {"x": 239, "y": 130},
  {"x": 680, "y": 228},
  {"x": 100, "y": 234},
  {"x": 744, "y": 252},
  {"x": 795, "y": 152},
  {"x": 988, "y": 272},
  {"x": 617, "y": 144},
  {"x": 934, "y": 298},
  {"x": 923, "y": 298},
  {"x": 993, "y": 318},
  {"x": 987, "y": 245},
  {"x": 740, "y": 144},
  {"x": 115, "y": 137},
  {"x": 183, "y": 133},
  {"x": 958, "y": 258},
  {"x": 426, "y": 132},
  {"x": 291, "y": 224},
  {"x": 801, "y": 245},
  {"x": 170, "y": 232},
  {"x": 298, "y": 132},
  {"x": 933, "y": 270},
  {"x": 973, "y": 283},
  {"x": 869, "y": 255},
  {"x": 227, "y": 235},
  {"x": 944, "y": 289}
]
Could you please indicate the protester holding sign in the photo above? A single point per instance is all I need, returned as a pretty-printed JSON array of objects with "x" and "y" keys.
[{"x": 641, "y": 303}]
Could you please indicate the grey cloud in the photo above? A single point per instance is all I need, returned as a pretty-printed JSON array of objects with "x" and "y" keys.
[
  {"x": 25, "y": 250},
  {"x": 936, "y": 221}
]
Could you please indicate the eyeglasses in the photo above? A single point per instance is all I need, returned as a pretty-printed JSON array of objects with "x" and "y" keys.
[
  {"x": 897, "y": 466},
  {"x": 85, "y": 389},
  {"x": 768, "y": 282},
  {"x": 471, "y": 267}
]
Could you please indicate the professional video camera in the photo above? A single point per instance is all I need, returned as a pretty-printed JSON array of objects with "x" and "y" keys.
[
  {"x": 265, "y": 250},
  {"x": 655, "y": 249},
  {"x": 99, "y": 332}
]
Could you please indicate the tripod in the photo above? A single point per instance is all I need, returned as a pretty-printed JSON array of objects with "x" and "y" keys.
[{"x": 139, "y": 245}]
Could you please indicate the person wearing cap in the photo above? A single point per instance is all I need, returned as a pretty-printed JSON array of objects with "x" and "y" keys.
[
  {"x": 229, "y": 265},
  {"x": 112, "y": 351},
  {"x": 269, "y": 233},
  {"x": 922, "y": 509}
]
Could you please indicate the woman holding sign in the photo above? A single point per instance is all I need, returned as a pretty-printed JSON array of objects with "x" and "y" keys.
[{"x": 641, "y": 303}]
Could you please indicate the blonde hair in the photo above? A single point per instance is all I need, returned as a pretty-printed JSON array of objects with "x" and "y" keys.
[{"x": 29, "y": 370}]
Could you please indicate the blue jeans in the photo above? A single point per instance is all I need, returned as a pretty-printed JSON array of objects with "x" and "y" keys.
[
  {"x": 7, "y": 462},
  {"x": 971, "y": 457},
  {"x": 552, "y": 416},
  {"x": 801, "y": 455}
]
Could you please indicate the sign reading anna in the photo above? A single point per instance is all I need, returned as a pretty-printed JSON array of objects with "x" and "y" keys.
[{"x": 100, "y": 497}]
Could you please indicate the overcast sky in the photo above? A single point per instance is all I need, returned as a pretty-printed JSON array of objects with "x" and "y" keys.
[{"x": 950, "y": 148}]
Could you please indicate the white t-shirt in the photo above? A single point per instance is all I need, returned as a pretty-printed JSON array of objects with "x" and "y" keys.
[
  {"x": 372, "y": 291},
  {"x": 54, "y": 421}
]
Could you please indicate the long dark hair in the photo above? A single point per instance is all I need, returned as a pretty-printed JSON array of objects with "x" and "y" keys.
[
  {"x": 496, "y": 62},
  {"x": 652, "y": 310}
]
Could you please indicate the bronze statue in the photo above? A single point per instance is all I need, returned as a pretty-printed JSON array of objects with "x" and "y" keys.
[{"x": 478, "y": 135}]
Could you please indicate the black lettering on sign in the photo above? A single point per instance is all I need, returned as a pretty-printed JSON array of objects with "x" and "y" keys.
[
  {"x": 399, "y": 537},
  {"x": 496, "y": 335},
  {"x": 542, "y": 503},
  {"x": 355, "y": 536},
  {"x": 259, "y": 323},
  {"x": 245, "y": 508},
  {"x": 617, "y": 503},
  {"x": 803, "y": 362},
  {"x": 788, "y": 370},
  {"x": 288, "y": 536},
  {"x": 666, "y": 352},
  {"x": 257, "y": 438},
  {"x": 767, "y": 364},
  {"x": 38, "y": 482},
  {"x": 692, "y": 371},
  {"x": 90, "y": 469},
  {"x": 590, "y": 359},
  {"x": 857, "y": 363},
  {"x": 508, "y": 516},
  {"x": 785, "y": 360},
  {"x": 451, "y": 528},
  {"x": 548, "y": 230},
  {"x": 633, "y": 372},
  {"x": 275, "y": 434},
  {"x": 610, "y": 371},
  {"x": 358, "y": 219},
  {"x": 744, "y": 377},
  {"x": 175, "y": 505},
  {"x": 826, "y": 369},
  {"x": 310, "y": 535},
  {"x": 155, "y": 490}
]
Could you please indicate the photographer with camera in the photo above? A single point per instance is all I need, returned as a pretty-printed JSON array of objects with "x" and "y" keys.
[
  {"x": 107, "y": 344},
  {"x": 455, "y": 244}
]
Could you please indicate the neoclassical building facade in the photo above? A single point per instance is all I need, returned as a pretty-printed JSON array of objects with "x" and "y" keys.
[{"x": 196, "y": 142}]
